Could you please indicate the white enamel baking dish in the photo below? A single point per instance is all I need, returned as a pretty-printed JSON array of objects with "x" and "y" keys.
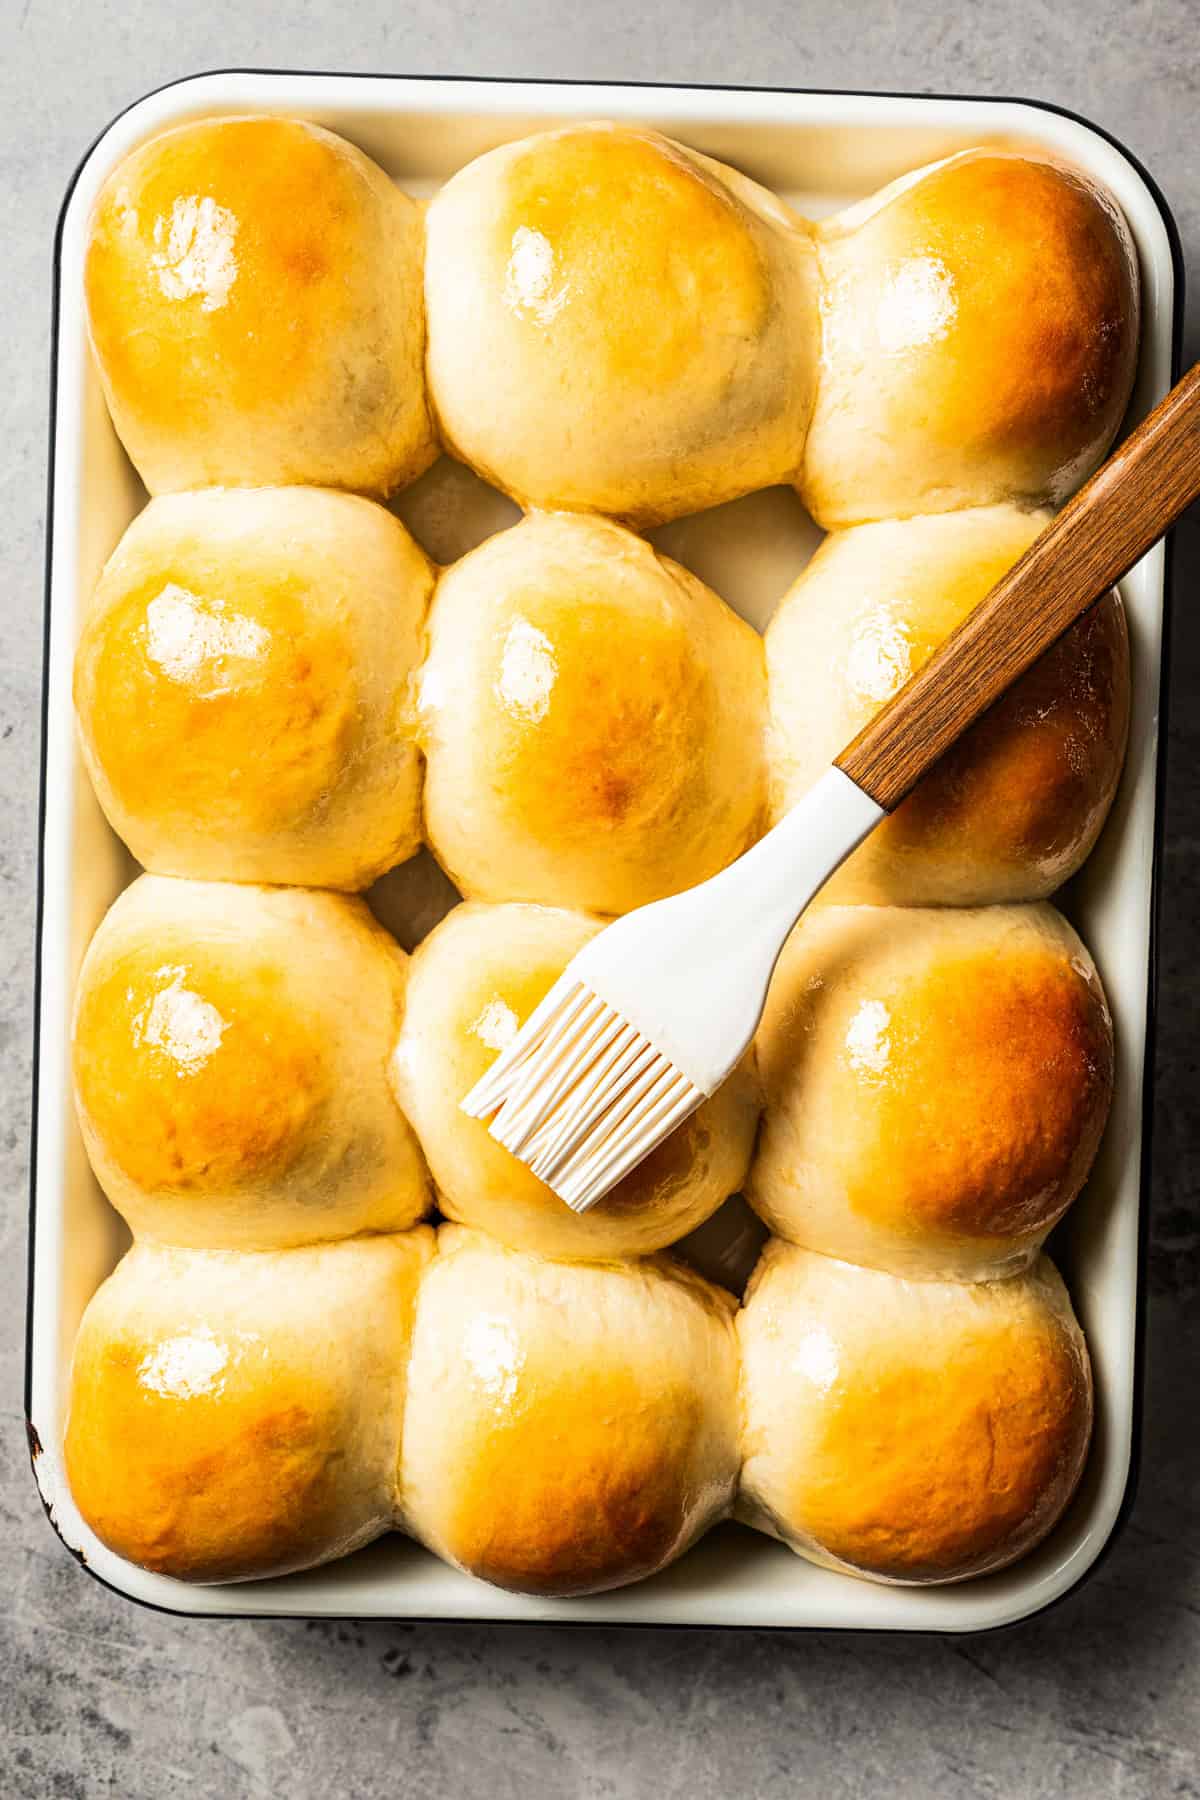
[{"x": 821, "y": 150}]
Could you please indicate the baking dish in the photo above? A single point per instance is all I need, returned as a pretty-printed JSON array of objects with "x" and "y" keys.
[{"x": 820, "y": 150}]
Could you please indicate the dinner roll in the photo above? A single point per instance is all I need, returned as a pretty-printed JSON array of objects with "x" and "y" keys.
[
  {"x": 243, "y": 687},
  {"x": 254, "y": 298},
  {"x": 570, "y": 1426},
  {"x": 231, "y": 1050},
  {"x": 235, "y": 1415},
  {"x": 936, "y": 1084},
  {"x": 473, "y": 982},
  {"x": 619, "y": 325},
  {"x": 592, "y": 719},
  {"x": 980, "y": 323},
  {"x": 1016, "y": 805},
  {"x": 909, "y": 1431}
]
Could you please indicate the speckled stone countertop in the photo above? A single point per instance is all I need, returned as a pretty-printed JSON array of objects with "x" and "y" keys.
[{"x": 1101, "y": 1697}]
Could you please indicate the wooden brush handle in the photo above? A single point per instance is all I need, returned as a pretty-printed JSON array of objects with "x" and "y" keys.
[{"x": 1097, "y": 537}]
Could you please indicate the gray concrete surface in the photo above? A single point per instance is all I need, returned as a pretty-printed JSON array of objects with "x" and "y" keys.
[{"x": 1102, "y": 1697}]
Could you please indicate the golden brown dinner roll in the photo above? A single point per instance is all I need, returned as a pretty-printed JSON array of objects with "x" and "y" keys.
[
  {"x": 1016, "y": 805},
  {"x": 980, "y": 332},
  {"x": 936, "y": 1084},
  {"x": 243, "y": 686},
  {"x": 231, "y": 1050},
  {"x": 473, "y": 982},
  {"x": 619, "y": 325},
  {"x": 592, "y": 719},
  {"x": 570, "y": 1426},
  {"x": 254, "y": 298},
  {"x": 238, "y": 1414},
  {"x": 909, "y": 1431}
]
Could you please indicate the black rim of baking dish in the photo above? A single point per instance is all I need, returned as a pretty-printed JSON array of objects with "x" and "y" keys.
[{"x": 1148, "y": 1072}]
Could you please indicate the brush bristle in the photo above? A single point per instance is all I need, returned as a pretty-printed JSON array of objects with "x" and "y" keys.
[{"x": 580, "y": 1096}]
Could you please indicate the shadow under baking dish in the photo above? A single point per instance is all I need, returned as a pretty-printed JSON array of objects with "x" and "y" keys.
[{"x": 821, "y": 151}]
